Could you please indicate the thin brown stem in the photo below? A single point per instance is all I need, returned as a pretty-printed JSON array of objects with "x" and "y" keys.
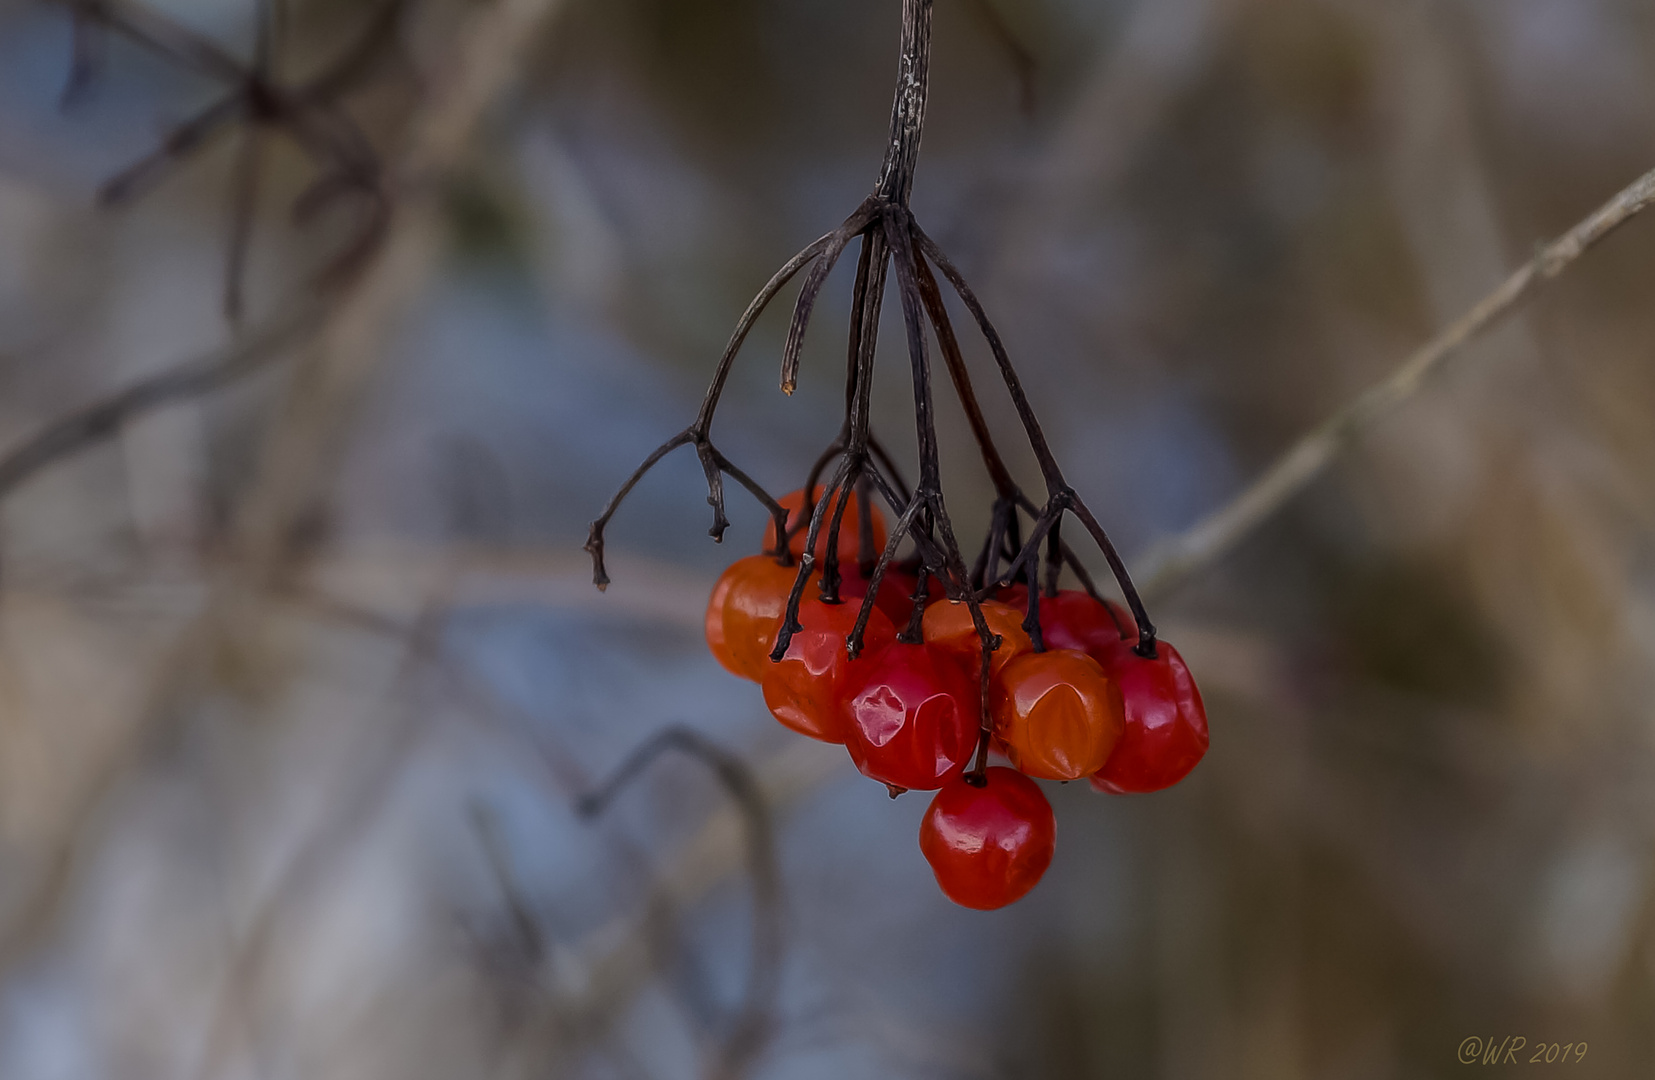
[
  {"x": 807, "y": 563},
  {"x": 896, "y": 175},
  {"x": 1031, "y": 622},
  {"x": 709, "y": 404},
  {"x": 1054, "y": 557},
  {"x": 914, "y": 633},
  {"x": 1059, "y": 493},
  {"x": 903, "y": 524},
  {"x": 829, "y": 584},
  {"x": 698, "y": 431},
  {"x": 812, "y": 287},
  {"x": 949, "y": 346}
]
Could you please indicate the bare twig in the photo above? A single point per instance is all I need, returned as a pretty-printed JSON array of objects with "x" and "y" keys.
[
  {"x": 88, "y": 426},
  {"x": 698, "y": 433},
  {"x": 896, "y": 176},
  {"x": 251, "y": 98},
  {"x": 752, "y": 1022},
  {"x": 345, "y": 353},
  {"x": 1174, "y": 560}
]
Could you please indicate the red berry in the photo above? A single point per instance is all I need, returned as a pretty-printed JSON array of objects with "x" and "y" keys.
[
  {"x": 850, "y": 528},
  {"x": 934, "y": 590},
  {"x": 1073, "y": 620},
  {"x": 805, "y": 688},
  {"x": 988, "y": 845},
  {"x": 1057, "y": 715},
  {"x": 743, "y": 629},
  {"x": 911, "y": 717},
  {"x": 948, "y": 625},
  {"x": 1166, "y": 724},
  {"x": 895, "y": 597}
]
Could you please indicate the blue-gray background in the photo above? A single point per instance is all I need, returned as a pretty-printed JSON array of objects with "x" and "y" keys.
[{"x": 1201, "y": 225}]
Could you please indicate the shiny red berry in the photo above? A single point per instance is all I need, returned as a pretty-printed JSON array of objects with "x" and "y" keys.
[
  {"x": 1073, "y": 620},
  {"x": 805, "y": 689},
  {"x": 895, "y": 596},
  {"x": 911, "y": 717},
  {"x": 896, "y": 592},
  {"x": 1166, "y": 724},
  {"x": 988, "y": 845}
]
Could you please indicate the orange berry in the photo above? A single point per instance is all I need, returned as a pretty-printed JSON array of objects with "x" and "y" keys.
[
  {"x": 1057, "y": 714},
  {"x": 714, "y": 623},
  {"x": 850, "y": 528},
  {"x": 755, "y": 597},
  {"x": 948, "y": 625}
]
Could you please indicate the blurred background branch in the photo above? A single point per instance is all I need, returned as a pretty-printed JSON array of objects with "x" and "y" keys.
[{"x": 1175, "y": 559}]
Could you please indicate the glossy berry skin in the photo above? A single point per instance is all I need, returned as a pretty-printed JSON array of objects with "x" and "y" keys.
[
  {"x": 989, "y": 845},
  {"x": 911, "y": 717},
  {"x": 896, "y": 592},
  {"x": 948, "y": 625},
  {"x": 714, "y": 623},
  {"x": 850, "y": 528},
  {"x": 1166, "y": 724},
  {"x": 805, "y": 689},
  {"x": 895, "y": 596},
  {"x": 1057, "y": 715},
  {"x": 755, "y": 593},
  {"x": 1073, "y": 620}
]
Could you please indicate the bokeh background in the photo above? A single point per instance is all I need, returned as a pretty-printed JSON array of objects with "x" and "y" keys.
[{"x": 324, "y": 825}]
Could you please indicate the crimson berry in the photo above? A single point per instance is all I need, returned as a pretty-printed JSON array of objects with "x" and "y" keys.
[
  {"x": 850, "y": 528},
  {"x": 988, "y": 845},
  {"x": 896, "y": 592},
  {"x": 911, "y": 716},
  {"x": 1057, "y": 715},
  {"x": 1166, "y": 724},
  {"x": 948, "y": 625},
  {"x": 1073, "y": 620},
  {"x": 805, "y": 688},
  {"x": 755, "y": 591},
  {"x": 895, "y": 596}
]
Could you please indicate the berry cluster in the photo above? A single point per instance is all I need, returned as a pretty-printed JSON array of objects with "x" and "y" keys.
[
  {"x": 934, "y": 662},
  {"x": 908, "y": 705}
]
